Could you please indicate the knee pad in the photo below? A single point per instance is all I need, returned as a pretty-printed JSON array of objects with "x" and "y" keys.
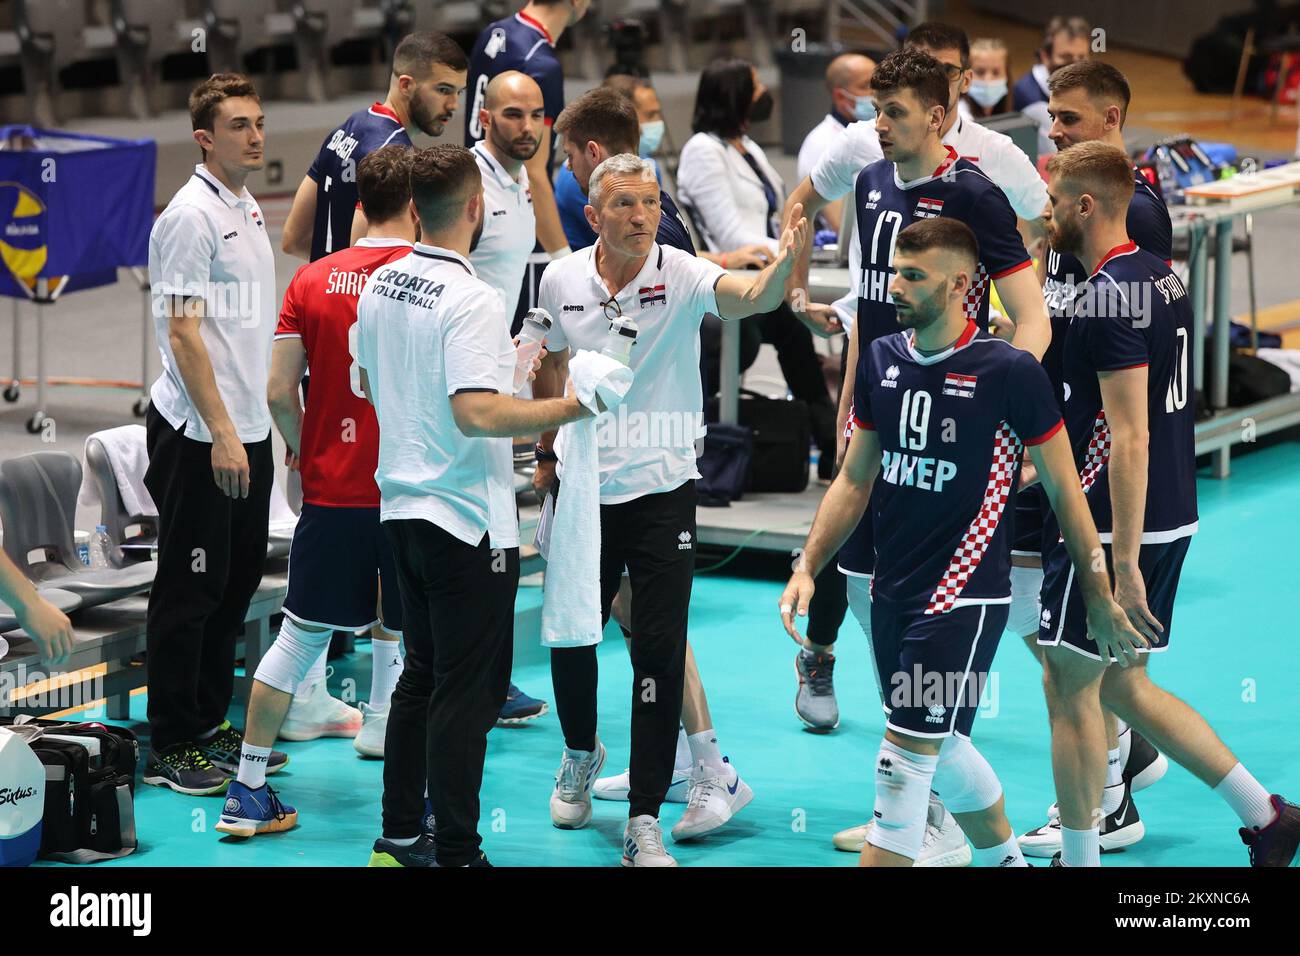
[
  {"x": 963, "y": 779},
  {"x": 902, "y": 799},
  {"x": 1026, "y": 583},
  {"x": 291, "y": 655}
]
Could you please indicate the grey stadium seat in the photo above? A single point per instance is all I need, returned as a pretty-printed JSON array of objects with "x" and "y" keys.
[
  {"x": 38, "y": 501},
  {"x": 112, "y": 512},
  {"x": 65, "y": 601}
]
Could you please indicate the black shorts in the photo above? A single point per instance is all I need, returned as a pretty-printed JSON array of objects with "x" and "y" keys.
[
  {"x": 338, "y": 557},
  {"x": 1032, "y": 510},
  {"x": 932, "y": 668},
  {"x": 1064, "y": 621}
]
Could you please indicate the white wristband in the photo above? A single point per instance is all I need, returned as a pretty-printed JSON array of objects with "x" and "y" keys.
[{"x": 560, "y": 253}]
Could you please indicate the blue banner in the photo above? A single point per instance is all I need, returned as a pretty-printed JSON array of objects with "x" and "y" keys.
[{"x": 73, "y": 208}]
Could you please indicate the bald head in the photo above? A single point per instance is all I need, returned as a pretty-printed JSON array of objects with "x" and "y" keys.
[
  {"x": 513, "y": 117},
  {"x": 849, "y": 69}
]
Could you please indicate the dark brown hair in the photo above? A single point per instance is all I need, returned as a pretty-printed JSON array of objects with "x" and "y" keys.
[
  {"x": 418, "y": 53},
  {"x": 933, "y": 35},
  {"x": 915, "y": 70},
  {"x": 950, "y": 235},
  {"x": 208, "y": 96},
  {"x": 384, "y": 182},
  {"x": 604, "y": 116},
  {"x": 1102, "y": 82},
  {"x": 442, "y": 180}
]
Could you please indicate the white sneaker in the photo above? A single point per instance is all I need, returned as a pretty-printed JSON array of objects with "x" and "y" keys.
[
  {"x": 319, "y": 715},
  {"x": 571, "y": 798},
  {"x": 643, "y": 843},
  {"x": 716, "y": 795},
  {"x": 944, "y": 844},
  {"x": 618, "y": 786},
  {"x": 1120, "y": 829},
  {"x": 370, "y": 741}
]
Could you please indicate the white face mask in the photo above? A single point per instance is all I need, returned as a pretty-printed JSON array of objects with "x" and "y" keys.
[
  {"x": 652, "y": 134},
  {"x": 863, "y": 109},
  {"x": 988, "y": 93}
]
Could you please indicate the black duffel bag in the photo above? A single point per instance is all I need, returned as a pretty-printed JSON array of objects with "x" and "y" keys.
[
  {"x": 1250, "y": 379},
  {"x": 782, "y": 434},
  {"x": 724, "y": 464}
]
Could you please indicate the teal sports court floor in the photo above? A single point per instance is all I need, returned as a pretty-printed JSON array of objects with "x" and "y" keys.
[{"x": 1233, "y": 657}]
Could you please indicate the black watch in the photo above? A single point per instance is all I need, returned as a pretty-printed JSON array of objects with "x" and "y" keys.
[{"x": 541, "y": 454}]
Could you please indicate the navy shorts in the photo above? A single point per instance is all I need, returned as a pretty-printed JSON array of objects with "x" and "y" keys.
[
  {"x": 932, "y": 668},
  {"x": 338, "y": 557},
  {"x": 1032, "y": 510},
  {"x": 1064, "y": 621}
]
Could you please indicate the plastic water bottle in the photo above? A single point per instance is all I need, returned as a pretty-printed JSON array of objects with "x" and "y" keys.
[
  {"x": 537, "y": 325},
  {"x": 100, "y": 548},
  {"x": 622, "y": 336}
]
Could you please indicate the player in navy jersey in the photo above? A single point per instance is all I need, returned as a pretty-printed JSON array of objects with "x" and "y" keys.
[
  {"x": 526, "y": 42},
  {"x": 942, "y": 414},
  {"x": 1089, "y": 101},
  {"x": 428, "y": 78},
  {"x": 1130, "y": 417}
]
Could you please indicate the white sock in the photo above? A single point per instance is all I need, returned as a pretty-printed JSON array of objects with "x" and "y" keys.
[
  {"x": 684, "y": 762},
  {"x": 1248, "y": 799},
  {"x": 1125, "y": 741},
  {"x": 385, "y": 668},
  {"x": 1113, "y": 795},
  {"x": 314, "y": 676},
  {"x": 1004, "y": 854},
  {"x": 252, "y": 765},
  {"x": 1081, "y": 847},
  {"x": 402, "y": 841},
  {"x": 704, "y": 749}
]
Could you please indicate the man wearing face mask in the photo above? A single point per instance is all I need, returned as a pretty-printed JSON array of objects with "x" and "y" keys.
[
  {"x": 848, "y": 78},
  {"x": 1065, "y": 40}
]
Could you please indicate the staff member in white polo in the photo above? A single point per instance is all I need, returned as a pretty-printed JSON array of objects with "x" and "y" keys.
[
  {"x": 513, "y": 118},
  {"x": 437, "y": 362},
  {"x": 212, "y": 274},
  {"x": 647, "y": 491}
]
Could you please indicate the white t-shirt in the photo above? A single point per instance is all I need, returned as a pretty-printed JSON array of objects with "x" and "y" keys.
[
  {"x": 833, "y": 176},
  {"x": 509, "y": 229},
  {"x": 211, "y": 244},
  {"x": 1001, "y": 160},
  {"x": 647, "y": 444},
  {"x": 427, "y": 328},
  {"x": 816, "y": 144}
]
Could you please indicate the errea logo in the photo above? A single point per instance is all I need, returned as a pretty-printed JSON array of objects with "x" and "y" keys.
[
  {"x": 1045, "y": 619},
  {"x": 684, "y": 541},
  {"x": 936, "y": 714},
  {"x": 873, "y": 197},
  {"x": 891, "y": 377}
]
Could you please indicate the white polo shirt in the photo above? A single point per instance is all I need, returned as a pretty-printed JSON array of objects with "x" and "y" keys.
[
  {"x": 647, "y": 444},
  {"x": 816, "y": 144},
  {"x": 427, "y": 328},
  {"x": 1001, "y": 159},
  {"x": 211, "y": 244},
  {"x": 509, "y": 228}
]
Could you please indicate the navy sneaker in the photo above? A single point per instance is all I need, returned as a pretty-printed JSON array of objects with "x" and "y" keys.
[
  {"x": 1275, "y": 844},
  {"x": 222, "y": 750},
  {"x": 519, "y": 708},
  {"x": 420, "y": 853},
  {"x": 250, "y": 812}
]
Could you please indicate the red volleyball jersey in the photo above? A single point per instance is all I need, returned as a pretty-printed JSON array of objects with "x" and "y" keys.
[{"x": 339, "y": 449}]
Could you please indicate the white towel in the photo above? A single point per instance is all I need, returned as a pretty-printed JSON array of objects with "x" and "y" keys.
[
  {"x": 571, "y": 599},
  {"x": 128, "y": 456},
  {"x": 281, "y": 518}
]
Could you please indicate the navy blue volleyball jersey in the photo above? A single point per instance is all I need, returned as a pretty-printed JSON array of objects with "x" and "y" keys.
[
  {"x": 334, "y": 171},
  {"x": 1148, "y": 225},
  {"x": 952, "y": 428},
  {"x": 958, "y": 189},
  {"x": 1134, "y": 311},
  {"x": 520, "y": 43}
]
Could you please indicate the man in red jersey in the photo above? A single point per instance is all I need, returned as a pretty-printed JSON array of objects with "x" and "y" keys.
[{"x": 340, "y": 554}]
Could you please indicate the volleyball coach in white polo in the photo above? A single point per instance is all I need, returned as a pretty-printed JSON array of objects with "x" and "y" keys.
[
  {"x": 647, "y": 487},
  {"x": 436, "y": 360}
]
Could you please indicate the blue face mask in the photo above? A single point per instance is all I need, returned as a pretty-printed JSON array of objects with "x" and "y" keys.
[
  {"x": 652, "y": 134},
  {"x": 863, "y": 109},
  {"x": 988, "y": 93}
]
